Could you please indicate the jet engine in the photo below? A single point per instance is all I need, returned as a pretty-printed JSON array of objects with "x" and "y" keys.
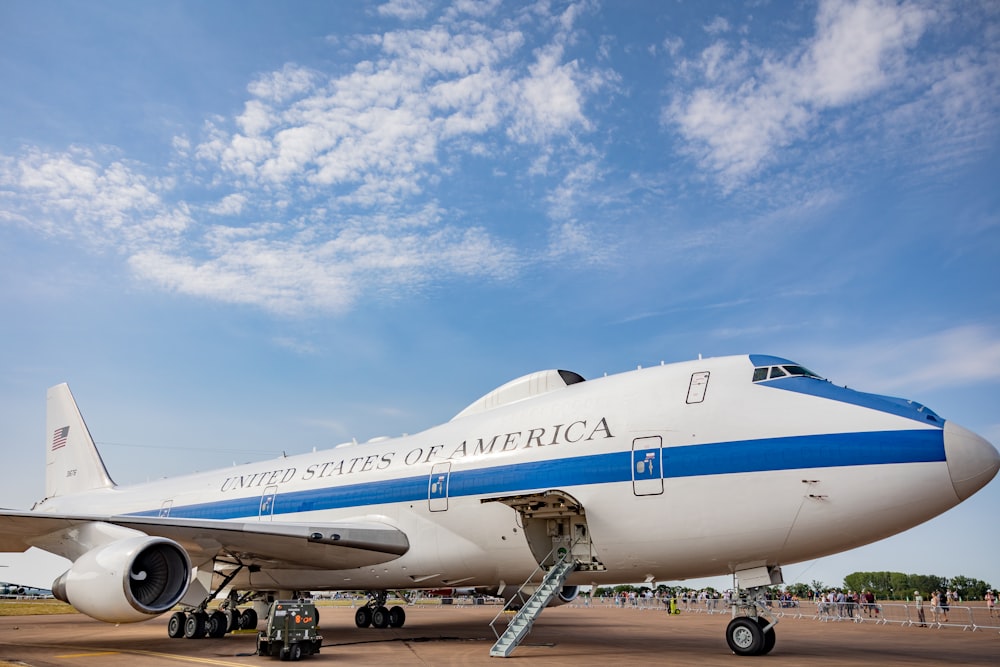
[
  {"x": 565, "y": 595},
  {"x": 127, "y": 580}
]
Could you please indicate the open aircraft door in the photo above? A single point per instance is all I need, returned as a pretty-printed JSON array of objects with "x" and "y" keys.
[{"x": 647, "y": 466}]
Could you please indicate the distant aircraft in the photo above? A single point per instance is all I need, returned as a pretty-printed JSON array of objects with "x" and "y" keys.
[{"x": 726, "y": 465}]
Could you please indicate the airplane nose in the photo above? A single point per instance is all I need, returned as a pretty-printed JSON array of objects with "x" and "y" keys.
[{"x": 972, "y": 461}]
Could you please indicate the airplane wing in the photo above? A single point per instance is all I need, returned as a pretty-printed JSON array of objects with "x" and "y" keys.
[{"x": 270, "y": 544}]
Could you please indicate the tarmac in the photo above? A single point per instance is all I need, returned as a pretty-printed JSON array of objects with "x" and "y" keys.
[{"x": 435, "y": 635}]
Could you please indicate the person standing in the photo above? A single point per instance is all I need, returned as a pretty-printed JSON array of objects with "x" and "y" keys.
[
  {"x": 918, "y": 602},
  {"x": 991, "y": 603}
]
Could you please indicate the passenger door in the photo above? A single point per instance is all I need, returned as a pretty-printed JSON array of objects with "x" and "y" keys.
[{"x": 647, "y": 466}]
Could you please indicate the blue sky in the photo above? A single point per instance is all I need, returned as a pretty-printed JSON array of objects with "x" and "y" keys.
[{"x": 242, "y": 228}]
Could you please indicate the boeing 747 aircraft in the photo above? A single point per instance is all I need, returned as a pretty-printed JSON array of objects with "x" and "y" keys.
[{"x": 727, "y": 465}]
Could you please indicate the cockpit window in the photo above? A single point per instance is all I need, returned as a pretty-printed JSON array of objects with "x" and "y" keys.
[
  {"x": 800, "y": 370},
  {"x": 762, "y": 373}
]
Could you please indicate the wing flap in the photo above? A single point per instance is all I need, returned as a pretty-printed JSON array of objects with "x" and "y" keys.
[{"x": 329, "y": 546}]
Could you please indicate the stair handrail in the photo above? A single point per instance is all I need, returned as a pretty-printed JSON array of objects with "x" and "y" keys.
[{"x": 559, "y": 561}]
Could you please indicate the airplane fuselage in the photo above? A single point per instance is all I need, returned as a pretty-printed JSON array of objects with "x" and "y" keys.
[{"x": 679, "y": 471}]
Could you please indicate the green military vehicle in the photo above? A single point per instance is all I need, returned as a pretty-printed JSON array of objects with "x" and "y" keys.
[{"x": 291, "y": 630}]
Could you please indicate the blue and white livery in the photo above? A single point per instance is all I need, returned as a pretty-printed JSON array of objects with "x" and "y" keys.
[{"x": 726, "y": 465}]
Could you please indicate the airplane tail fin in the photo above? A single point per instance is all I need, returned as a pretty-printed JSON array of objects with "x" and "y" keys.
[{"x": 72, "y": 462}]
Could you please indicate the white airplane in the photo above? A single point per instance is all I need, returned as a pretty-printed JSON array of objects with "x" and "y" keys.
[{"x": 726, "y": 465}]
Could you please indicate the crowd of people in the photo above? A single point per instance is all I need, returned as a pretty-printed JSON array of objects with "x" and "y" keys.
[{"x": 838, "y": 603}]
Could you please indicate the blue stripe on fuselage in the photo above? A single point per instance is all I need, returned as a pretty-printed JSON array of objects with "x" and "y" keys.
[
  {"x": 826, "y": 389},
  {"x": 721, "y": 458}
]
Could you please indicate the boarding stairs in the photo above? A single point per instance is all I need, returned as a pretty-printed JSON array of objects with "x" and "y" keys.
[{"x": 520, "y": 625}]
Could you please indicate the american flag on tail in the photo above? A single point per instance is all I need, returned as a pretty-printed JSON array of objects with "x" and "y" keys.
[{"x": 59, "y": 438}]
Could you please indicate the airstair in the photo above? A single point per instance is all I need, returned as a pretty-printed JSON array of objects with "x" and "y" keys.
[{"x": 520, "y": 625}]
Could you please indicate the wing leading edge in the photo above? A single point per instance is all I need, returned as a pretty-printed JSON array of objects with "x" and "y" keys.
[{"x": 328, "y": 546}]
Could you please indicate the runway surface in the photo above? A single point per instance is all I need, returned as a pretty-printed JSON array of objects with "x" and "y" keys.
[{"x": 461, "y": 636}]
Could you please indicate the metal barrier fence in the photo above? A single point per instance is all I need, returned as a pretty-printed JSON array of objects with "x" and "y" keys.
[{"x": 970, "y": 618}]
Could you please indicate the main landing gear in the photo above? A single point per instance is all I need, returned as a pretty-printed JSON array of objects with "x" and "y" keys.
[
  {"x": 375, "y": 614},
  {"x": 751, "y": 632},
  {"x": 199, "y": 622}
]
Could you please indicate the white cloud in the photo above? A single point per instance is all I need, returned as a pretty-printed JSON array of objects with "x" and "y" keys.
[
  {"x": 75, "y": 194},
  {"x": 737, "y": 124},
  {"x": 550, "y": 99},
  {"x": 229, "y": 205},
  {"x": 955, "y": 357},
  {"x": 327, "y": 179},
  {"x": 378, "y": 129},
  {"x": 284, "y": 84},
  {"x": 405, "y": 10},
  {"x": 305, "y": 274},
  {"x": 717, "y": 25}
]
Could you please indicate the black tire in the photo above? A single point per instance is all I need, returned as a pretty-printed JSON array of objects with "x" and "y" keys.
[
  {"x": 194, "y": 626},
  {"x": 380, "y": 618},
  {"x": 218, "y": 624},
  {"x": 769, "y": 636},
  {"x": 283, "y": 654},
  {"x": 397, "y": 617},
  {"x": 248, "y": 620},
  {"x": 295, "y": 652},
  {"x": 175, "y": 626},
  {"x": 234, "y": 619},
  {"x": 363, "y": 617},
  {"x": 744, "y": 636}
]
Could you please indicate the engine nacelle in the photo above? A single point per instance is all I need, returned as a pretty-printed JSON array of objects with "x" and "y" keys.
[
  {"x": 126, "y": 581},
  {"x": 565, "y": 595}
]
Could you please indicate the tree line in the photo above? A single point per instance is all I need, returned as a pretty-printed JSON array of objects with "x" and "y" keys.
[{"x": 900, "y": 586}]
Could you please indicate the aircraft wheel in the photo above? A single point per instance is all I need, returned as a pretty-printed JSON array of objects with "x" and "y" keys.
[
  {"x": 233, "y": 616},
  {"x": 769, "y": 637},
  {"x": 248, "y": 619},
  {"x": 194, "y": 625},
  {"x": 218, "y": 624},
  {"x": 363, "y": 617},
  {"x": 175, "y": 626},
  {"x": 380, "y": 618},
  {"x": 744, "y": 636},
  {"x": 397, "y": 617}
]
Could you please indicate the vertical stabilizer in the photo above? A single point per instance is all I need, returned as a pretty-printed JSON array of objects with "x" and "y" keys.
[{"x": 72, "y": 463}]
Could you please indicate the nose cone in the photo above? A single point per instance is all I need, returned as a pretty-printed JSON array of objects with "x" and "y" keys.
[{"x": 972, "y": 461}]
